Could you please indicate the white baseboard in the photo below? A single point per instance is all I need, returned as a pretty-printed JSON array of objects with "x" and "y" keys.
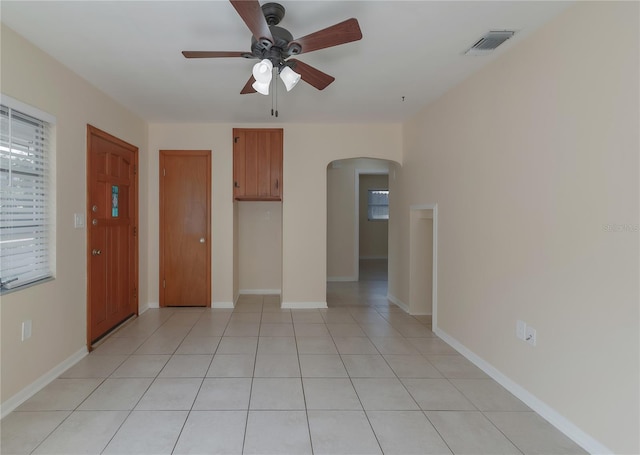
[
  {"x": 145, "y": 306},
  {"x": 342, "y": 278},
  {"x": 40, "y": 383},
  {"x": 303, "y": 305},
  {"x": 399, "y": 303},
  {"x": 404, "y": 306},
  {"x": 260, "y": 291},
  {"x": 222, "y": 305},
  {"x": 563, "y": 424}
]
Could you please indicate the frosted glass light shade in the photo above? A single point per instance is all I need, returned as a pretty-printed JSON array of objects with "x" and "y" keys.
[
  {"x": 289, "y": 77},
  {"x": 261, "y": 87},
  {"x": 263, "y": 71}
]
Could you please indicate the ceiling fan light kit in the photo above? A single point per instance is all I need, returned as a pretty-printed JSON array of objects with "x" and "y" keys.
[
  {"x": 263, "y": 71},
  {"x": 263, "y": 74},
  {"x": 261, "y": 87},
  {"x": 273, "y": 45},
  {"x": 289, "y": 77}
]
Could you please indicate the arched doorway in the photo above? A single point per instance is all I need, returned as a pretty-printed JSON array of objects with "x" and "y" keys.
[{"x": 357, "y": 232}]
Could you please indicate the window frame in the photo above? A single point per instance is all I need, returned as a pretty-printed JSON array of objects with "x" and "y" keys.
[
  {"x": 370, "y": 204},
  {"x": 49, "y": 221}
]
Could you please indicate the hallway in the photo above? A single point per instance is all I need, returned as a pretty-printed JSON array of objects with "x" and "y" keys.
[{"x": 370, "y": 291}]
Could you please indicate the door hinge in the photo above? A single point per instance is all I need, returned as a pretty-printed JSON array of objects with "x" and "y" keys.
[
  {"x": 135, "y": 231},
  {"x": 164, "y": 284},
  {"x": 235, "y": 140},
  {"x": 135, "y": 169},
  {"x": 135, "y": 293}
]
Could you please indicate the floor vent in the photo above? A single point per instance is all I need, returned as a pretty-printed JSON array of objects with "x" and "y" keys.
[{"x": 489, "y": 42}]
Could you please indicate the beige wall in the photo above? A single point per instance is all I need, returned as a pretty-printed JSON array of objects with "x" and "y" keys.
[
  {"x": 259, "y": 247},
  {"x": 420, "y": 261},
  {"x": 236, "y": 255},
  {"x": 533, "y": 163},
  {"x": 342, "y": 251},
  {"x": 373, "y": 234},
  {"x": 308, "y": 149},
  {"x": 218, "y": 139},
  {"x": 58, "y": 308}
]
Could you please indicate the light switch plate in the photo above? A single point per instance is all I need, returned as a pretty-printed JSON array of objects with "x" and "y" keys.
[
  {"x": 26, "y": 330},
  {"x": 78, "y": 220}
]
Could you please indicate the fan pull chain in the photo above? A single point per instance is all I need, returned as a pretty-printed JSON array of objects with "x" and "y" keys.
[
  {"x": 275, "y": 90},
  {"x": 272, "y": 97}
]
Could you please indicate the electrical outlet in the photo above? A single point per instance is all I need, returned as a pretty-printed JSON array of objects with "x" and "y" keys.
[
  {"x": 26, "y": 330},
  {"x": 521, "y": 327},
  {"x": 530, "y": 335}
]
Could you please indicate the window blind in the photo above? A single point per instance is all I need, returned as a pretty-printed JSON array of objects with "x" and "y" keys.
[
  {"x": 24, "y": 202},
  {"x": 378, "y": 204}
]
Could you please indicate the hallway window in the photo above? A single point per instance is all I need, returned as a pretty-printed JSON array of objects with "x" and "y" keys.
[
  {"x": 25, "y": 199},
  {"x": 378, "y": 205}
]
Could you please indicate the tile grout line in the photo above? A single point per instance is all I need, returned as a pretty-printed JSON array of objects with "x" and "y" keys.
[
  {"x": 358, "y": 395},
  {"x": 255, "y": 360},
  {"x": 404, "y": 387},
  {"x": 456, "y": 388},
  {"x": 129, "y": 411},
  {"x": 146, "y": 390},
  {"x": 184, "y": 424},
  {"x": 304, "y": 396}
]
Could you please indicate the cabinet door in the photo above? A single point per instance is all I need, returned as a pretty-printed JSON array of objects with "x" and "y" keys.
[
  {"x": 239, "y": 189},
  {"x": 257, "y": 164},
  {"x": 263, "y": 169},
  {"x": 275, "y": 162}
]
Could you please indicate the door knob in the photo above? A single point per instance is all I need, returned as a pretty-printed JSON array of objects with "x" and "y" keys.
[
  {"x": 202, "y": 240},
  {"x": 95, "y": 252}
]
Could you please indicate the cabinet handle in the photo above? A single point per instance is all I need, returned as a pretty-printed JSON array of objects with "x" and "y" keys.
[
  {"x": 235, "y": 185},
  {"x": 277, "y": 184}
]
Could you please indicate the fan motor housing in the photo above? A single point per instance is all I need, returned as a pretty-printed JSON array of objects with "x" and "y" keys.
[
  {"x": 273, "y": 13},
  {"x": 283, "y": 46}
]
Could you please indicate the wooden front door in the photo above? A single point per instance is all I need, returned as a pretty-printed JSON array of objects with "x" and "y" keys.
[
  {"x": 112, "y": 241},
  {"x": 185, "y": 228}
]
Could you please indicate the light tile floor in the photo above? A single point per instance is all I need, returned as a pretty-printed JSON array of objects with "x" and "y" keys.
[{"x": 361, "y": 377}]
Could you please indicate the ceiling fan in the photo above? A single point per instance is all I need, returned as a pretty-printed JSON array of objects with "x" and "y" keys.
[{"x": 274, "y": 46}]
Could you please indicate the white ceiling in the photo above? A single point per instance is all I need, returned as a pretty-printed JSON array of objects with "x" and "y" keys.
[{"x": 131, "y": 51}]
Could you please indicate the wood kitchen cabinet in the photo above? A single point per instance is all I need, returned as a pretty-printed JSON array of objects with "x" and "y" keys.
[{"x": 257, "y": 164}]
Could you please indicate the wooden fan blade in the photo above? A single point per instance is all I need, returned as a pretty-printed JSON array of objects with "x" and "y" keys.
[
  {"x": 248, "y": 87},
  {"x": 212, "y": 54},
  {"x": 344, "y": 32},
  {"x": 311, "y": 75},
  {"x": 252, "y": 15}
]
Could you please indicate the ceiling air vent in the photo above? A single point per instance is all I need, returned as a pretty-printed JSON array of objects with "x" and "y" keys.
[{"x": 489, "y": 42}]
